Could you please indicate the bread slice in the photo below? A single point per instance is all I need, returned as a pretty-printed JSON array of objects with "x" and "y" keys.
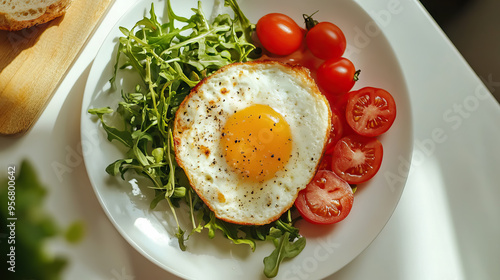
[{"x": 19, "y": 14}]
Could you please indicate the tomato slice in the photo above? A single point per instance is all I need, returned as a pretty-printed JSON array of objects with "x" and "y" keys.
[
  {"x": 326, "y": 162},
  {"x": 336, "y": 131},
  {"x": 338, "y": 105},
  {"x": 370, "y": 111},
  {"x": 356, "y": 159},
  {"x": 327, "y": 199}
]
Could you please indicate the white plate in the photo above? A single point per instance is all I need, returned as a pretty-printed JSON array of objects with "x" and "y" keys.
[{"x": 328, "y": 248}]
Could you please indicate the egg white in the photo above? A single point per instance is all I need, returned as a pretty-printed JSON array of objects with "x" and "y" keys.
[{"x": 290, "y": 91}]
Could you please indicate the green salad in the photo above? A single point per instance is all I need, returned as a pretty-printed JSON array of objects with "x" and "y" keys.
[{"x": 170, "y": 59}]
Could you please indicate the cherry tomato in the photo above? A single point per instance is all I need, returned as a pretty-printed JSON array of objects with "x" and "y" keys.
[
  {"x": 279, "y": 34},
  {"x": 326, "y": 162},
  {"x": 335, "y": 131},
  {"x": 336, "y": 76},
  {"x": 339, "y": 103},
  {"x": 327, "y": 199},
  {"x": 302, "y": 56},
  {"x": 326, "y": 41},
  {"x": 356, "y": 159},
  {"x": 370, "y": 111}
]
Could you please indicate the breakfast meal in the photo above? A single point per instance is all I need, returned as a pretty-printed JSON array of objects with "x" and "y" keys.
[
  {"x": 17, "y": 15},
  {"x": 251, "y": 126}
]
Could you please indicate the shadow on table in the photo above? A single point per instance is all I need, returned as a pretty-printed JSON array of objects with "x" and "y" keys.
[{"x": 12, "y": 43}]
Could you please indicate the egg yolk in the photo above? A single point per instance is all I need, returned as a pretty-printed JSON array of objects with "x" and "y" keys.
[{"x": 257, "y": 142}]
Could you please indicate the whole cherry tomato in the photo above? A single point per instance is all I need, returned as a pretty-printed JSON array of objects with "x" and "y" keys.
[
  {"x": 336, "y": 76},
  {"x": 326, "y": 41},
  {"x": 279, "y": 34}
]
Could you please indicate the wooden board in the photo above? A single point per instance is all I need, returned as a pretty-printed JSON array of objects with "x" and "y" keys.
[{"x": 33, "y": 62}]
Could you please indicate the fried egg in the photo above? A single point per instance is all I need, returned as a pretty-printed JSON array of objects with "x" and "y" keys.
[{"x": 250, "y": 137}]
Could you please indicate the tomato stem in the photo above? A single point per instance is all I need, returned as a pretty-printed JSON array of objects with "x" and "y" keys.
[
  {"x": 309, "y": 21},
  {"x": 354, "y": 188},
  {"x": 356, "y": 75}
]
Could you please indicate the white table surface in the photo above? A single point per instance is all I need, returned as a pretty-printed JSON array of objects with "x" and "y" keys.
[{"x": 445, "y": 227}]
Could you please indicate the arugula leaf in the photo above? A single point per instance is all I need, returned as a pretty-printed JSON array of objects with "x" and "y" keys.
[
  {"x": 284, "y": 249},
  {"x": 113, "y": 133},
  {"x": 229, "y": 230},
  {"x": 100, "y": 111},
  {"x": 287, "y": 241},
  {"x": 244, "y": 24},
  {"x": 288, "y": 227},
  {"x": 115, "y": 168}
]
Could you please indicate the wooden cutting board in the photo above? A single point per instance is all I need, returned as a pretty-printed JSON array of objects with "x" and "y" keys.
[{"x": 33, "y": 62}]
